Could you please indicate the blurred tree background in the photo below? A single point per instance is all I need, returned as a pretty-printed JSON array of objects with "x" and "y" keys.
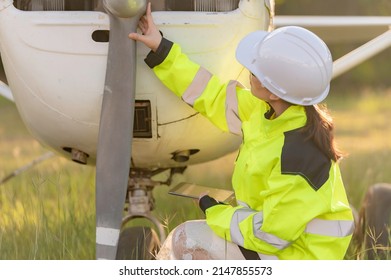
[{"x": 373, "y": 73}]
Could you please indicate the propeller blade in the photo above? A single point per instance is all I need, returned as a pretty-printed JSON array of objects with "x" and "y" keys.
[{"x": 116, "y": 125}]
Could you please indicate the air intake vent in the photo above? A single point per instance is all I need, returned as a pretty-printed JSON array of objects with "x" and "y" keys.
[
  {"x": 215, "y": 5},
  {"x": 47, "y": 5},
  {"x": 142, "y": 127},
  {"x": 202, "y": 5},
  {"x": 59, "y": 5}
]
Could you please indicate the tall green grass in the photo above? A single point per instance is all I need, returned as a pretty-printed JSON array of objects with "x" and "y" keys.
[
  {"x": 48, "y": 212},
  {"x": 363, "y": 131},
  {"x": 47, "y": 217}
]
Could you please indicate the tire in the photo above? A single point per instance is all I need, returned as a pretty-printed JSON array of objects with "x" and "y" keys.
[
  {"x": 375, "y": 222},
  {"x": 137, "y": 243}
]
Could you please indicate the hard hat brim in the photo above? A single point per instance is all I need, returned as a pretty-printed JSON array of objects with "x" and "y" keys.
[{"x": 247, "y": 47}]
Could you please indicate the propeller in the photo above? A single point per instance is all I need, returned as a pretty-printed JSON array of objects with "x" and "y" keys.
[{"x": 116, "y": 124}]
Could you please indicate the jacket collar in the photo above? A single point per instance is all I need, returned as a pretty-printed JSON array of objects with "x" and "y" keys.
[{"x": 292, "y": 118}]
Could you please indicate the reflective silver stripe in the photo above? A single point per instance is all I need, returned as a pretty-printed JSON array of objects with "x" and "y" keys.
[
  {"x": 241, "y": 203},
  {"x": 232, "y": 109},
  {"x": 267, "y": 237},
  {"x": 333, "y": 228},
  {"x": 267, "y": 257},
  {"x": 237, "y": 237},
  {"x": 107, "y": 236},
  {"x": 238, "y": 216},
  {"x": 197, "y": 86}
]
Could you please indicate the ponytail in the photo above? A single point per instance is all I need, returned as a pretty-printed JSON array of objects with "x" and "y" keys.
[{"x": 320, "y": 129}]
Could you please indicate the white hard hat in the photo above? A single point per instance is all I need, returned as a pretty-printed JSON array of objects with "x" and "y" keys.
[{"x": 291, "y": 62}]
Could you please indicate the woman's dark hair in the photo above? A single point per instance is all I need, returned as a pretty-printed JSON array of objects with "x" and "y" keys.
[{"x": 320, "y": 128}]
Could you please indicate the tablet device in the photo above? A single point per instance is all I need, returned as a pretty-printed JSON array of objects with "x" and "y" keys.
[{"x": 194, "y": 191}]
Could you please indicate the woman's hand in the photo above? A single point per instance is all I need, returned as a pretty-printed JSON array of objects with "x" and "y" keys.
[
  {"x": 202, "y": 195},
  {"x": 150, "y": 36},
  {"x": 205, "y": 201}
]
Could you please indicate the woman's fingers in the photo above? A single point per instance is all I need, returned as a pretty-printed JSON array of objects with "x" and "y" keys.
[{"x": 150, "y": 36}]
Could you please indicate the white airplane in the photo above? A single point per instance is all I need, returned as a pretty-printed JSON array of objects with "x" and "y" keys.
[{"x": 90, "y": 97}]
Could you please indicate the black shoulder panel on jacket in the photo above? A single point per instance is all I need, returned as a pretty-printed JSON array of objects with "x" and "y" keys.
[{"x": 300, "y": 156}]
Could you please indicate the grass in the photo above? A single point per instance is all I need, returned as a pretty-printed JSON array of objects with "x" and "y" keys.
[
  {"x": 363, "y": 131},
  {"x": 48, "y": 212}
]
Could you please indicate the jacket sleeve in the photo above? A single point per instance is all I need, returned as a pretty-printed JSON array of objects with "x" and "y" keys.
[{"x": 224, "y": 104}]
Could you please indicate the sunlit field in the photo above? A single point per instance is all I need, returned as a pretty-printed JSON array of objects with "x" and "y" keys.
[{"x": 48, "y": 211}]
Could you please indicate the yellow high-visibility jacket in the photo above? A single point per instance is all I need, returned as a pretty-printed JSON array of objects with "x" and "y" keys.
[{"x": 291, "y": 198}]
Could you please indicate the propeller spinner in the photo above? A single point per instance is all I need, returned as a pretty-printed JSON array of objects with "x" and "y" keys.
[{"x": 116, "y": 124}]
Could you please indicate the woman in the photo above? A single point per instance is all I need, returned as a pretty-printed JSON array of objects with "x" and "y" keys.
[{"x": 291, "y": 199}]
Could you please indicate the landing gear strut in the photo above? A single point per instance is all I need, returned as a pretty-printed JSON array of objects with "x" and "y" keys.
[{"x": 142, "y": 242}]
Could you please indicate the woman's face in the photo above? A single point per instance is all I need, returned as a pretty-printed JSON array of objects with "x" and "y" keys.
[{"x": 257, "y": 89}]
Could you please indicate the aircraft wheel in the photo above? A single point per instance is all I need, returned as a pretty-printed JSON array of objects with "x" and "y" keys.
[
  {"x": 375, "y": 221},
  {"x": 137, "y": 243}
]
